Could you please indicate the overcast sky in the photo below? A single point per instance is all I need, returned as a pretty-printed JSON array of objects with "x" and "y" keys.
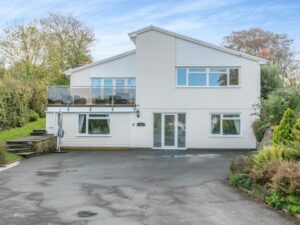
[{"x": 208, "y": 20}]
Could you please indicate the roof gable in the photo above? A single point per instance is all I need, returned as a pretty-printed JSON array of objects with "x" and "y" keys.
[{"x": 134, "y": 34}]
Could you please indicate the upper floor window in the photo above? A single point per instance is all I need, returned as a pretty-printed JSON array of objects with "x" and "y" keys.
[{"x": 207, "y": 77}]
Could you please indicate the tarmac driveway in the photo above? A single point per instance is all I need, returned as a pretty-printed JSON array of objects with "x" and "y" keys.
[{"x": 127, "y": 188}]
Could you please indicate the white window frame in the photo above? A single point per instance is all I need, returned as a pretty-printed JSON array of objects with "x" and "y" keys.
[
  {"x": 88, "y": 116},
  {"x": 207, "y": 72},
  {"x": 221, "y": 124}
]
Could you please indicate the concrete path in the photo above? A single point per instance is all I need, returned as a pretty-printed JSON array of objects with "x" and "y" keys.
[{"x": 127, "y": 188}]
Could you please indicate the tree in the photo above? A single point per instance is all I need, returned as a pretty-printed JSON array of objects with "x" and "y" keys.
[
  {"x": 277, "y": 48},
  {"x": 270, "y": 79},
  {"x": 283, "y": 133},
  {"x": 43, "y": 49},
  {"x": 69, "y": 39}
]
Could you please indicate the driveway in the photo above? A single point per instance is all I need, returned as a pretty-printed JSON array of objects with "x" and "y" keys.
[{"x": 127, "y": 188}]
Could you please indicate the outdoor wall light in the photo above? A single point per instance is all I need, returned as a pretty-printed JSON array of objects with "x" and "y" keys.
[{"x": 137, "y": 113}]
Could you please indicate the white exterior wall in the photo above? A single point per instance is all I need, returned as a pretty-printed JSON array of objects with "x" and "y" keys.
[
  {"x": 154, "y": 66},
  {"x": 158, "y": 55},
  {"x": 122, "y": 67},
  {"x": 119, "y": 131}
]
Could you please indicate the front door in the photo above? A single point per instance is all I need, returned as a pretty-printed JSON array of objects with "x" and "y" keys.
[{"x": 169, "y": 130}]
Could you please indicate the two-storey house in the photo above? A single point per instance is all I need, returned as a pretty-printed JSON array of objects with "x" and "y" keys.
[{"x": 171, "y": 92}]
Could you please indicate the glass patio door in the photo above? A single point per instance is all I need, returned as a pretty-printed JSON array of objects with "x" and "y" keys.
[{"x": 169, "y": 130}]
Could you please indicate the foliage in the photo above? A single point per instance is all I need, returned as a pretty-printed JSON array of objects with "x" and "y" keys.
[
  {"x": 259, "y": 128},
  {"x": 33, "y": 116},
  {"x": 293, "y": 208},
  {"x": 39, "y": 98},
  {"x": 7, "y": 157},
  {"x": 2, "y": 156},
  {"x": 275, "y": 200},
  {"x": 14, "y": 133},
  {"x": 272, "y": 153},
  {"x": 43, "y": 49},
  {"x": 271, "y": 110},
  {"x": 293, "y": 199},
  {"x": 264, "y": 175},
  {"x": 283, "y": 132},
  {"x": 240, "y": 180},
  {"x": 14, "y": 103},
  {"x": 287, "y": 178},
  {"x": 270, "y": 79},
  {"x": 242, "y": 163},
  {"x": 276, "y": 48}
]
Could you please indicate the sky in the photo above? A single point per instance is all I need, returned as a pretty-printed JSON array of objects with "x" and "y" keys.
[{"x": 207, "y": 20}]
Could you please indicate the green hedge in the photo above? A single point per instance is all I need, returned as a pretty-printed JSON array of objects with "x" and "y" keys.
[{"x": 17, "y": 99}]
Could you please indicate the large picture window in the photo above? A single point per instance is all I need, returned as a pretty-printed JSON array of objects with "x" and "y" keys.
[
  {"x": 94, "y": 124},
  {"x": 207, "y": 77},
  {"x": 225, "y": 124}
]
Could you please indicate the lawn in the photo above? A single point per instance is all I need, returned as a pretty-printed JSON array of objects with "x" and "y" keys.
[{"x": 18, "y": 132}]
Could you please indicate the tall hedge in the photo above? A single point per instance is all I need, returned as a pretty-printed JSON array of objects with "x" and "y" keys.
[{"x": 15, "y": 100}]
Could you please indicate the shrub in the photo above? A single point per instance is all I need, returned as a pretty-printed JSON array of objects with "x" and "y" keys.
[
  {"x": 39, "y": 98},
  {"x": 292, "y": 199},
  {"x": 270, "y": 79},
  {"x": 275, "y": 200},
  {"x": 33, "y": 116},
  {"x": 2, "y": 155},
  {"x": 272, "y": 153},
  {"x": 242, "y": 163},
  {"x": 259, "y": 127},
  {"x": 14, "y": 103},
  {"x": 240, "y": 180},
  {"x": 287, "y": 178},
  {"x": 271, "y": 110},
  {"x": 293, "y": 208},
  {"x": 264, "y": 175},
  {"x": 283, "y": 133}
]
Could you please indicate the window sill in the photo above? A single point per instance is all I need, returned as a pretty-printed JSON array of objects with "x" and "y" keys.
[
  {"x": 93, "y": 135},
  {"x": 210, "y": 87},
  {"x": 225, "y": 136}
]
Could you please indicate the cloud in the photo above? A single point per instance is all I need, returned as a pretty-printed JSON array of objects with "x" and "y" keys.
[{"x": 208, "y": 20}]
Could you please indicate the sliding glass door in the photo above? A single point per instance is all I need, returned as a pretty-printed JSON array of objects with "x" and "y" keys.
[{"x": 169, "y": 130}]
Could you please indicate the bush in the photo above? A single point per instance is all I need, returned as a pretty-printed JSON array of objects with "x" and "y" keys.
[
  {"x": 2, "y": 155},
  {"x": 270, "y": 79},
  {"x": 283, "y": 133},
  {"x": 292, "y": 199},
  {"x": 242, "y": 163},
  {"x": 33, "y": 116},
  {"x": 240, "y": 180},
  {"x": 275, "y": 200},
  {"x": 39, "y": 98},
  {"x": 264, "y": 175},
  {"x": 14, "y": 103},
  {"x": 271, "y": 110},
  {"x": 272, "y": 153},
  {"x": 259, "y": 127},
  {"x": 287, "y": 178},
  {"x": 293, "y": 208}
]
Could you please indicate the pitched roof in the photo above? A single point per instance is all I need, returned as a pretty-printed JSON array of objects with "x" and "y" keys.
[
  {"x": 134, "y": 34},
  {"x": 69, "y": 72}
]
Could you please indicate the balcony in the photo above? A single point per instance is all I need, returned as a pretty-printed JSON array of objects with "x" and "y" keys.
[{"x": 91, "y": 96}]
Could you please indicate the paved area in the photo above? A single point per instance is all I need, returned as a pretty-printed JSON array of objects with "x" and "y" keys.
[{"x": 127, "y": 188}]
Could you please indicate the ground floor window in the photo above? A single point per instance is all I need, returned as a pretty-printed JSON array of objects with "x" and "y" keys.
[
  {"x": 169, "y": 130},
  {"x": 94, "y": 124},
  {"x": 225, "y": 124}
]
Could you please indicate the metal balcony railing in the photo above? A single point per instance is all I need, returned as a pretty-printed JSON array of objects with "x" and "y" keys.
[{"x": 87, "y": 96}]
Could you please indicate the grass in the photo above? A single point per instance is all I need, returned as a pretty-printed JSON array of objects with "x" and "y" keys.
[
  {"x": 14, "y": 133},
  {"x": 19, "y": 132},
  {"x": 10, "y": 157}
]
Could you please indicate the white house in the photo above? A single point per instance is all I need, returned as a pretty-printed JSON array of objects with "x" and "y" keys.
[{"x": 171, "y": 92}]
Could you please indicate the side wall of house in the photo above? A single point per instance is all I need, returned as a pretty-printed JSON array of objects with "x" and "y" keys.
[{"x": 157, "y": 57}]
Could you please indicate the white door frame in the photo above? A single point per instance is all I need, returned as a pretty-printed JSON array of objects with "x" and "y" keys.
[{"x": 163, "y": 146}]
